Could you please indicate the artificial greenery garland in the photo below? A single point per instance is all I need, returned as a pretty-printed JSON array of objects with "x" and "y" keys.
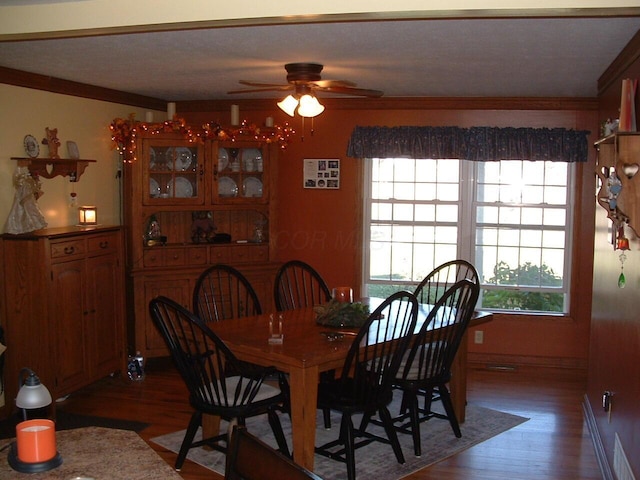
[{"x": 340, "y": 314}]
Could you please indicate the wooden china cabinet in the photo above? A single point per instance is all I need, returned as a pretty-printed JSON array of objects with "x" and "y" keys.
[{"x": 188, "y": 205}]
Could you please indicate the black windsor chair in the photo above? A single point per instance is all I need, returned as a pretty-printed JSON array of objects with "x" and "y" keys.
[
  {"x": 297, "y": 285},
  {"x": 204, "y": 362},
  {"x": 426, "y": 368},
  {"x": 365, "y": 385},
  {"x": 438, "y": 281},
  {"x": 222, "y": 292}
]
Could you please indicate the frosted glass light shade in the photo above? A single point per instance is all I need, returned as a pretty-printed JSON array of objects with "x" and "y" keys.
[
  {"x": 310, "y": 106},
  {"x": 288, "y": 105}
]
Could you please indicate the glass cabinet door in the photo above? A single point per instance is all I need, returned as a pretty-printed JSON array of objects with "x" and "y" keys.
[
  {"x": 240, "y": 176},
  {"x": 173, "y": 173}
]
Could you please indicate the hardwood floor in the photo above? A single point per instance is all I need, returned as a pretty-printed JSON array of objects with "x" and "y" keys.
[{"x": 553, "y": 444}]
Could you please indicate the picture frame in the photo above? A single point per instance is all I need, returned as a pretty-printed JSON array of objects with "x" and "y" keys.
[
  {"x": 72, "y": 150},
  {"x": 321, "y": 173}
]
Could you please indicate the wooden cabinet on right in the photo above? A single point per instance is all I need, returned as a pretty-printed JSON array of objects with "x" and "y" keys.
[{"x": 191, "y": 203}]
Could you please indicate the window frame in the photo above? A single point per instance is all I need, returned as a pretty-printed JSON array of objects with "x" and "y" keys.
[{"x": 467, "y": 227}]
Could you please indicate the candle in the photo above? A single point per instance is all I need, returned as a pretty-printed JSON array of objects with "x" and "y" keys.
[
  {"x": 148, "y": 117},
  {"x": 343, "y": 294},
  {"x": 171, "y": 110},
  {"x": 235, "y": 115},
  {"x": 36, "y": 440},
  {"x": 268, "y": 122}
]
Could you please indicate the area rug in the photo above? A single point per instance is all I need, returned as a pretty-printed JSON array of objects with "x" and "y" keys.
[
  {"x": 69, "y": 421},
  {"x": 375, "y": 460}
]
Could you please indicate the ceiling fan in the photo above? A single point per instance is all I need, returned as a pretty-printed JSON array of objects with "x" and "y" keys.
[{"x": 304, "y": 79}]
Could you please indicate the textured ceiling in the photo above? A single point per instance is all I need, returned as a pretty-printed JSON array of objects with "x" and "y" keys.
[{"x": 519, "y": 57}]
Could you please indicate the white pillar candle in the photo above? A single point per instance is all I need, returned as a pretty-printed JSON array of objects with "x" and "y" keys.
[
  {"x": 148, "y": 117},
  {"x": 171, "y": 110},
  {"x": 268, "y": 122},
  {"x": 235, "y": 115}
]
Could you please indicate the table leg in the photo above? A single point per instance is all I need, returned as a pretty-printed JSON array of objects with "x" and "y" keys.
[
  {"x": 303, "y": 383},
  {"x": 458, "y": 383},
  {"x": 210, "y": 427}
]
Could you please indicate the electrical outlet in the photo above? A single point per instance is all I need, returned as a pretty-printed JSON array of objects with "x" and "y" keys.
[{"x": 478, "y": 336}]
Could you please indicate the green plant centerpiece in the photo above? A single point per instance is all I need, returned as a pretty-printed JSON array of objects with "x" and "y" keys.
[{"x": 341, "y": 314}]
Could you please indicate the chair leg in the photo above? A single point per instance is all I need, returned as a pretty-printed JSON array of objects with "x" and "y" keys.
[
  {"x": 194, "y": 423},
  {"x": 387, "y": 421},
  {"x": 347, "y": 434},
  {"x": 414, "y": 414},
  {"x": 276, "y": 426},
  {"x": 448, "y": 407},
  {"x": 326, "y": 415}
]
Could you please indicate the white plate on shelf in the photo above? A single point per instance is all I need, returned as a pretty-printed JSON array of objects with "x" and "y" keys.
[
  {"x": 152, "y": 159},
  {"x": 251, "y": 157},
  {"x": 227, "y": 187},
  {"x": 223, "y": 159},
  {"x": 183, "y": 158},
  {"x": 154, "y": 188},
  {"x": 252, "y": 187},
  {"x": 183, "y": 189}
]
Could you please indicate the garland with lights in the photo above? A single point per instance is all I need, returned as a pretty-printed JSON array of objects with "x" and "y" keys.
[{"x": 125, "y": 131}]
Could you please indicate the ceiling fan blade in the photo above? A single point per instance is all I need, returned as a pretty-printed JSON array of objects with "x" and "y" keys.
[
  {"x": 260, "y": 84},
  {"x": 362, "y": 92},
  {"x": 275, "y": 88},
  {"x": 333, "y": 83}
]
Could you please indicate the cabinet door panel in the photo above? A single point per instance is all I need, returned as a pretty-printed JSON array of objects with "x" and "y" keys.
[
  {"x": 178, "y": 290},
  {"x": 69, "y": 320},
  {"x": 104, "y": 300}
]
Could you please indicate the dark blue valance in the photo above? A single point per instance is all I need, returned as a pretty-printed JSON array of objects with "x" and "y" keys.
[{"x": 476, "y": 143}]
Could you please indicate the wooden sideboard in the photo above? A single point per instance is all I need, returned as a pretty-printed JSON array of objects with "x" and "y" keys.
[{"x": 63, "y": 306}]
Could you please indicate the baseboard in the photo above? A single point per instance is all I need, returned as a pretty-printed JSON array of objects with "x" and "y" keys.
[
  {"x": 598, "y": 446},
  {"x": 515, "y": 362}
]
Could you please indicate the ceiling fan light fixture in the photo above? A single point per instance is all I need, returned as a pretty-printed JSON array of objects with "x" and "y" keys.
[
  {"x": 310, "y": 106},
  {"x": 288, "y": 105}
]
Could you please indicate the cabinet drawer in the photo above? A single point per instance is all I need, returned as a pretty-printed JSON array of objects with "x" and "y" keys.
[
  {"x": 260, "y": 254},
  {"x": 197, "y": 256},
  {"x": 68, "y": 248},
  {"x": 174, "y": 256},
  {"x": 241, "y": 254},
  {"x": 219, "y": 254},
  {"x": 153, "y": 258},
  {"x": 102, "y": 243}
]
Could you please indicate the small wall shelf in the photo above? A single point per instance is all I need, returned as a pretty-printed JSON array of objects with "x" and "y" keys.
[{"x": 52, "y": 167}]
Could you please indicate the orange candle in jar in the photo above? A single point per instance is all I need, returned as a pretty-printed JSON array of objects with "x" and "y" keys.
[{"x": 36, "y": 440}]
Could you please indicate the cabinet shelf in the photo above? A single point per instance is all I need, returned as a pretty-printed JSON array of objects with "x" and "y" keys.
[{"x": 52, "y": 167}]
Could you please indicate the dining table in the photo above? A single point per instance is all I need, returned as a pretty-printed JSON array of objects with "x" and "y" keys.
[{"x": 305, "y": 350}]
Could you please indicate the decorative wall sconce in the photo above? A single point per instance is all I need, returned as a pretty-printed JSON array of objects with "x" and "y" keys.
[{"x": 87, "y": 215}]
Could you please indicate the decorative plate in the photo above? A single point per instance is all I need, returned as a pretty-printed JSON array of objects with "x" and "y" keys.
[
  {"x": 31, "y": 146},
  {"x": 154, "y": 188},
  {"x": 184, "y": 158},
  {"x": 223, "y": 159},
  {"x": 227, "y": 187},
  {"x": 183, "y": 188},
  {"x": 250, "y": 159},
  {"x": 252, "y": 187},
  {"x": 72, "y": 149}
]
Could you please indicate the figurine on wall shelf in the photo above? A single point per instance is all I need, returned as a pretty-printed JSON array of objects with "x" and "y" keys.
[
  {"x": 52, "y": 142},
  {"x": 153, "y": 235}
]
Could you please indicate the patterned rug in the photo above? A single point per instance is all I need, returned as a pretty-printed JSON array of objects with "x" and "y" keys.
[{"x": 375, "y": 460}]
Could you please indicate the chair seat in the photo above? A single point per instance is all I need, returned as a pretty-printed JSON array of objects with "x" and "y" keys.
[{"x": 266, "y": 391}]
